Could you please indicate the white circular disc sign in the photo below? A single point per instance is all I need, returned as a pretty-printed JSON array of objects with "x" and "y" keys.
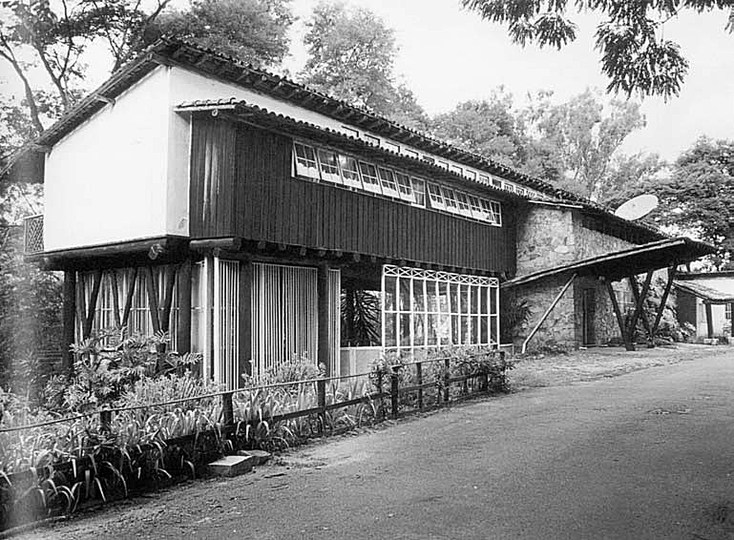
[{"x": 637, "y": 207}]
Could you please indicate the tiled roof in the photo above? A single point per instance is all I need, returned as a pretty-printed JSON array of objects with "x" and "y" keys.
[
  {"x": 716, "y": 290},
  {"x": 173, "y": 51}
]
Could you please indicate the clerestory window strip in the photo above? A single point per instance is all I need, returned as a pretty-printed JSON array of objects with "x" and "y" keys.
[{"x": 322, "y": 164}]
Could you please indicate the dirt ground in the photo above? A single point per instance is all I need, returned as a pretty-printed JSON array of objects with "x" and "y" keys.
[
  {"x": 591, "y": 445},
  {"x": 600, "y": 362}
]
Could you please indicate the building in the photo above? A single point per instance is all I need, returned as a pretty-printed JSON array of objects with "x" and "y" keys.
[
  {"x": 233, "y": 208},
  {"x": 705, "y": 300}
]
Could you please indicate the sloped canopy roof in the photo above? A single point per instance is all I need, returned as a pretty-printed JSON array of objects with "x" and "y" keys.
[{"x": 620, "y": 264}]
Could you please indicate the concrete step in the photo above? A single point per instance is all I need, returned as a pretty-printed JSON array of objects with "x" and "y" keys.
[
  {"x": 261, "y": 456},
  {"x": 232, "y": 465}
]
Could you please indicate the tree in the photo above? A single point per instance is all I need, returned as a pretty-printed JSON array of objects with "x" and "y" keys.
[
  {"x": 580, "y": 137},
  {"x": 254, "y": 31},
  {"x": 629, "y": 176},
  {"x": 351, "y": 56},
  {"x": 488, "y": 127},
  {"x": 635, "y": 55},
  {"x": 699, "y": 195}
]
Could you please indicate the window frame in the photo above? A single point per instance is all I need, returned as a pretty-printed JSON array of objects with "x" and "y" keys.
[
  {"x": 419, "y": 193},
  {"x": 388, "y": 183},
  {"x": 373, "y": 185},
  {"x": 405, "y": 189},
  {"x": 299, "y": 168},
  {"x": 435, "y": 196},
  {"x": 350, "y": 182},
  {"x": 333, "y": 177},
  {"x": 449, "y": 199}
]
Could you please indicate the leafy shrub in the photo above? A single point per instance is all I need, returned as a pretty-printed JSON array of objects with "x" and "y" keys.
[
  {"x": 108, "y": 364},
  {"x": 513, "y": 315}
]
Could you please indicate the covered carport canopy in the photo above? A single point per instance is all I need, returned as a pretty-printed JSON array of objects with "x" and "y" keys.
[{"x": 617, "y": 265}]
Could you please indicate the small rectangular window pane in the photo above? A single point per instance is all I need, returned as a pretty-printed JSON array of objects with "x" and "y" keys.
[
  {"x": 484, "y": 179},
  {"x": 419, "y": 303},
  {"x": 329, "y": 164},
  {"x": 306, "y": 161},
  {"x": 387, "y": 179},
  {"x": 369, "y": 177},
  {"x": 391, "y": 146},
  {"x": 419, "y": 190},
  {"x": 476, "y": 208},
  {"x": 404, "y": 187},
  {"x": 496, "y": 183},
  {"x": 471, "y": 175},
  {"x": 449, "y": 200},
  {"x": 462, "y": 200},
  {"x": 372, "y": 140},
  {"x": 435, "y": 197},
  {"x": 405, "y": 330},
  {"x": 455, "y": 330},
  {"x": 487, "y": 209},
  {"x": 419, "y": 333},
  {"x": 484, "y": 330},
  {"x": 432, "y": 334},
  {"x": 350, "y": 171},
  {"x": 410, "y": 153},
  {"x": 496, "y": 209},
  {"x": 493, "y": 329},
  {"x": 443, "y": 165},
  {"x": 456, "y": 169},
  {"x": 390, "y": 293},
  {"x": 404, "y": 294},
  {"x": 390, "y": 331}
]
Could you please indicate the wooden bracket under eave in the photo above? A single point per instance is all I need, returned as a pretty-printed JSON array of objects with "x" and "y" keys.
[{"x": 105, "y": 99}]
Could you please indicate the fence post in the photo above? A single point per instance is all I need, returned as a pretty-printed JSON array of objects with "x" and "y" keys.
[
  {"x": 227, "y": 409},
  {"x": 394, "y": 391},
  {"x": 105, "y": 419},
  {"x": 379, "y": 392},
  {"x": 419, "y": 378},
  {"x": 446, "y": 377},
  {"x": 321, "y": 396}
]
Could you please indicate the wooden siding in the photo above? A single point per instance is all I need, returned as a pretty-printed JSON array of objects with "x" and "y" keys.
[{"x": 268, "y": 204}]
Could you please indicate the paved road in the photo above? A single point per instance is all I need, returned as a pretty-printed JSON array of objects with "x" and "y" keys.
[{"x": 644, "y": 455}]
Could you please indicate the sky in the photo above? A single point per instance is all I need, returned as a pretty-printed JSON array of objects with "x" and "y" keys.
[{"x": 449, "y": 55}]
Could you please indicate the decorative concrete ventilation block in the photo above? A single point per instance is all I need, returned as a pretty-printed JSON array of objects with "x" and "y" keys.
[
  {"x": 261, "y": 456},
  {"x": 232, "y": 465}
]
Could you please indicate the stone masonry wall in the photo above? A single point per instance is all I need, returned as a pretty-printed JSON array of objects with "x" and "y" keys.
[
  {"x": 553, "y": 236},
  {"x": 544, "y": 239}
]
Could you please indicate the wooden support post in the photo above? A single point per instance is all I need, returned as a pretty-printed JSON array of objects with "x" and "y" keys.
[
  {"x": 246, "y": 314},
  {"x": 446, "y": 381},
  {"x": 129, "y": 297},
  {"x": 643, "y": 316},
  {"x": 322, "y": 286},
  {"x": 92, "y": 307},
  {"x": 69, "y": 310},
  {"x": 547, "y": 312},
  {"x": 639, "y": 307},
  {"x": 152, "y": 298},
  {"x": 227, "y": 409},
  {"x": 394, "y": 392},
  {"x": 170, "y": 282},
  {"x": 620, "y": 320},
  {"x": 184, "y": 308},
  {"x": 105, "y": 420},
  {"x": 380, "y": 378},
  {"x": 709, "y": 321},
  {"x": 669, "y": 285},
  {"x": 115, "y": 298},
  {"x": 321, "y": 399}
]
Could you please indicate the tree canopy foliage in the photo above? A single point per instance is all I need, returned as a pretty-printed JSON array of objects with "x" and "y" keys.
[
  {"x": 699, "y": 195},
  {"x": 636, "y": 57},
  {"x": 580, "y": 136},
  {"x": 490, "y": 127},
  {"x": 351, "y": 56},
  {"x": 254, "y": 31}
]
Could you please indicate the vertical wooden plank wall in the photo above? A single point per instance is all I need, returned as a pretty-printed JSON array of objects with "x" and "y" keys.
[{"x": 257, "y": 199}]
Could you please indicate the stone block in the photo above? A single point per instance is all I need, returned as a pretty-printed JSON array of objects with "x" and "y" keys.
[
  {"x": 232, "y": 465},
  {"x": 260, "y": 456}
]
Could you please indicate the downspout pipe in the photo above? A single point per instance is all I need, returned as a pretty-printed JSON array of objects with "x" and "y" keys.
[{"x": 547, "y": 312}]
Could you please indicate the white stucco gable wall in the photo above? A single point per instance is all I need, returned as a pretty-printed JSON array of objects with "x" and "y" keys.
[{"x": 106, "y": 181}]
